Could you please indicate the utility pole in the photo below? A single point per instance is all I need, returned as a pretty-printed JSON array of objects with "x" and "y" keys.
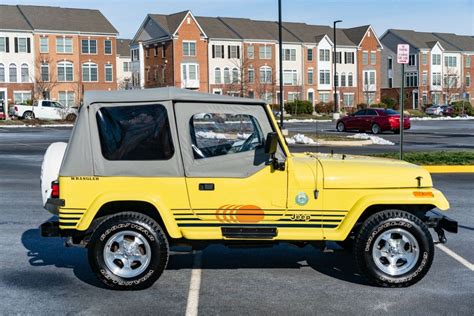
[
  {"x": 336, "y": 107},
  {"x": 280, "y": 48}
]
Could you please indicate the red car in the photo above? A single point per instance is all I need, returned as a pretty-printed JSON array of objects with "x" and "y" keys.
[{"x": 375, "y": 120}]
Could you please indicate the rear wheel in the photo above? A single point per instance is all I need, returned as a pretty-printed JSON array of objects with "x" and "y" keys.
[
  {"x": 341, "y": 127},
  {"x": 376, "y": 128},
  {"x": 394, "y": 249},
  {"x": 28, "y": 115},
  {"x": 128, "y": 251},
  {"x": 71, "y": 117}
]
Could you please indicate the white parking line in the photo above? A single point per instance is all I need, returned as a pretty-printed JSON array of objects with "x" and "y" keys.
[
  {"x": 457, "y": 257},
  {"x": 194, "y": 286}
]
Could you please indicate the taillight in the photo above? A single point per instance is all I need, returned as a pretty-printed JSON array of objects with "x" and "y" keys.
[{"x": 55, "y": 189}]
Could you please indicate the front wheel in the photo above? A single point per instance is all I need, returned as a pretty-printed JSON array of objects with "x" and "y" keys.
[
  {"x": 394, "y": 249},
  {"x": 128, "y": 251}
]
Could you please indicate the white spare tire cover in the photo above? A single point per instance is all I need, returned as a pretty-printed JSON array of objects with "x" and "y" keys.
[{"x": 50, "y": 168}]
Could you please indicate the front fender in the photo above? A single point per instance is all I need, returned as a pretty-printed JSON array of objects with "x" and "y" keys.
[
  {"x": 165, "y": 213},
  {"x": 392, "y": 197}
]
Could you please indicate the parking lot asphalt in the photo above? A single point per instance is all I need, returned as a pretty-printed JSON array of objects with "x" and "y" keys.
[{"x": 40, "y": 276}]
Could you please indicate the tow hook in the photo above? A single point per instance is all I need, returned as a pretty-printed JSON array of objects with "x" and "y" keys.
[
  {"x": 441, "y": 223},
  {"x": 441, "y": 236}
]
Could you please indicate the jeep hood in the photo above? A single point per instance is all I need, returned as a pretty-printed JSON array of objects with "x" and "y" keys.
[{"x": 360, "y": 172}]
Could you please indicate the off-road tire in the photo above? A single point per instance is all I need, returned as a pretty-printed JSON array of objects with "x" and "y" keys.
[
  {"x": 376, "y": 129},
  {"x": 340, "y": 127},
  {"x": 377, "y": 224},
  {"x": 141, "y": 224}
]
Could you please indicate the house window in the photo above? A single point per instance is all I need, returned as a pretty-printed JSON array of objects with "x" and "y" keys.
[
  {"x": 369, "y": 78},
  {"x": 424, "y": 99},
  {"x": 250, "y": 52},
  {"x": 25, "y": 73},
  {"x": 324, "y": 97},
  {"x": 265, "y": 74},
  {"x": 468, "y": 60},
  {"x": 290, "y": 77},
  {"x": 235, "y": 75},
  {"x": 324, "y": 55},
  {"x": 309, "y": 55},
  {"x": 126, "y": 66},
  {"x": 2, "y": 73},
  {"x": 436, "y": 97},
  {"x": 373, "y": 57},
  {"x": 44, "y": 46},
  {"x": 348, "y": 99},
  {"x": 265, "y": 52},
  {"x": 450, "y": 61},
  {"x": 108, "y": 47},
  {"x": 109, "y": 73},
  {"x": 293, "y": 96},
  {"x": 390, "y": 63},
  {"x": 343, "y": 79},
  {"x": 336, "y": 80},
  {"x": 468, "y": 80},
  {"x": 424, "y": 78},
  {"x": 64, "y": 45},
  {"x": 89, "y": 46},
  {"x": 310, "y": 76},
  {"x": 369, "y": 97},
  {"x": 12, "y": 73},
  {"x": 66, "y": 98},
  {"x": 349, "y": 57},
  {"x": 189, "y": 71},
  {"x": 22, "y": 44},
  {"x": 217, "y": 51},
  {"x": 226, "y": 75},
  {"x": 436, "y": 79},
  {"x": 163, "y": 51},
  {"x": 234, "y": 51},
  {"x": 65, "y": 71},
  {"x": 390, "y": 82},
  {"x": 21, "y": 97},
  {"x": 350, "y": 80},
  {"x": 411, "y": 79},
  {"x": 251, "y": 74},
  {"x": 324, "y": 77},
  {"x": 44, "y": 69},
  {"x": 217, "y": 75},
  {"x": 436, "y": 59},
  {"x": 412, "y": 60},
  {"x": 135, "y": 55},
  {"x": 3, "y": 44},
  {"x": 189, "y": 48},
  {"x": 424, "y": 58},
  {"x": 89, "y": 72},
  {"x": 365, "y": 58},
  {"x": 338, "y": 57},
  {"x": 311, "y": 96},
  {"x": 289, "y": 54}
]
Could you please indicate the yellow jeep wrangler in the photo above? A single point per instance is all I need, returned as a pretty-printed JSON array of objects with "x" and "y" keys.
[{"x": 148, "y": 169}]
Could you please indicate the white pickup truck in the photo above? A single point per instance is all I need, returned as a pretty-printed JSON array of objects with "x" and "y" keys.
[{"x": 45, "y": 109}]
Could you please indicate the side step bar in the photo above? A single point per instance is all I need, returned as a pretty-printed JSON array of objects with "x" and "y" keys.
[{"x": 249, "y": 232}]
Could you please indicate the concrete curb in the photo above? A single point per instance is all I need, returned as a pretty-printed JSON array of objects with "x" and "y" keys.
[{"x": 449, "y": 169}]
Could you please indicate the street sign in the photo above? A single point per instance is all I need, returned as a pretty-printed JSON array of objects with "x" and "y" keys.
[{"x": 403, "y": 53}]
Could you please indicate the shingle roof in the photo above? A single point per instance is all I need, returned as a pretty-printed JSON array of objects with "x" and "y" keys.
[
  {"x": 66, "y": 19},
  {"x": 169, "y": 22},
  {"x": 422, "y": 39},
  {"x": 215, "y": 28},
  {"x": 463, "y": 42},
  {"x": 12, "y": 19},
  {"x": 123, "y": 47},
  {"x": 356, "y": 34}
]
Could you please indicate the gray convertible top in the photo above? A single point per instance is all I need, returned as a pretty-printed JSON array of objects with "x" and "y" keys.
[{"x": 162, "y": 94}]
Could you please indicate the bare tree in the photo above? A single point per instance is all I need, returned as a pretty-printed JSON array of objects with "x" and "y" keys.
[
  {"x": 44, "y": 82},
  {"x": 124, "y": 84},
  {"x": 451, "y": 84},
  {"x": 265, "y": 86},
  {"x": 241, "y": 82}
]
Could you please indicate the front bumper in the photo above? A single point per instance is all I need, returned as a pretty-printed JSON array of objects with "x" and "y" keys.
[{"x": 441, "y": 223}]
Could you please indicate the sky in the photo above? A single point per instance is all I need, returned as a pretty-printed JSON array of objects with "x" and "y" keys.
[{"x": 450, "y": 16}]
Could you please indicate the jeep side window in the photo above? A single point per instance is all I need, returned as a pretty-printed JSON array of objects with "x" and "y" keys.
[
  {"x": 216, "y": 134},
  {"x": 140, "y": 132}
]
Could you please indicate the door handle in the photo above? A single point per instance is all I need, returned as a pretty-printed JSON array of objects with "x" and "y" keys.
[{"x": 206, "y": 186}]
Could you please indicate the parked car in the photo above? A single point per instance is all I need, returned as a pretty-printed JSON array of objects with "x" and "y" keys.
[
  {"x": 435, "y": 109},
  {"x": 373, "y": 119},
  {"x": 135, "y": 179},
  {"x": 448, "y": 111},
  {"x": 45, "y": 109},
  {"x": 2, "y": 110}
]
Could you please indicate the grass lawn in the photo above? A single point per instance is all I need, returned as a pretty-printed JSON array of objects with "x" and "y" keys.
[{"x": 435, "y": 158}]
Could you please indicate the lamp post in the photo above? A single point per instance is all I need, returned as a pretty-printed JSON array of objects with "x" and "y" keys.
[
  {"x": 280, "y": 49},
  {"x": 336, "y": 107}
]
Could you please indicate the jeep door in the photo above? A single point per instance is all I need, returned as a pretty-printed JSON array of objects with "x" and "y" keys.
[{"x": 229, "y": 180}]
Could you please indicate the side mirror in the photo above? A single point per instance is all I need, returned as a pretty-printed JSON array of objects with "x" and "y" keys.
[{"x": 271, "y": 143}]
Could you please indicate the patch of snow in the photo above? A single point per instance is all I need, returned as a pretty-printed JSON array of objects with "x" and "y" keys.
[
  {"x": 210, "y": 135},
  {"x": 442, "y": 118},
  {"x": 243, "y": 135},
  {"x": 375, "y": 139},
  {"x": 300, "y": 139}
]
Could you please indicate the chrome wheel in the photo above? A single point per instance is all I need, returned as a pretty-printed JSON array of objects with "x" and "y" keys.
[
  {"x": 376, "y": 129},
  {"x": 395, "y": 251},
  {"x": 29, "y": 115},
  {"x": 127, "y": 254}
]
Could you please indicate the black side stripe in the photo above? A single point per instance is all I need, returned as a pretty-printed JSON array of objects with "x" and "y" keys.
[{"x": 257, "y": 225}]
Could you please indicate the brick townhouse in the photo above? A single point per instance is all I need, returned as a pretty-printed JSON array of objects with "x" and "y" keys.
[
  {"x": 239, "y": 56},
  {"x": 123, "y": 64},
  {"x": 439, "y": 70},
  {"x": 58, "y": 53}
]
